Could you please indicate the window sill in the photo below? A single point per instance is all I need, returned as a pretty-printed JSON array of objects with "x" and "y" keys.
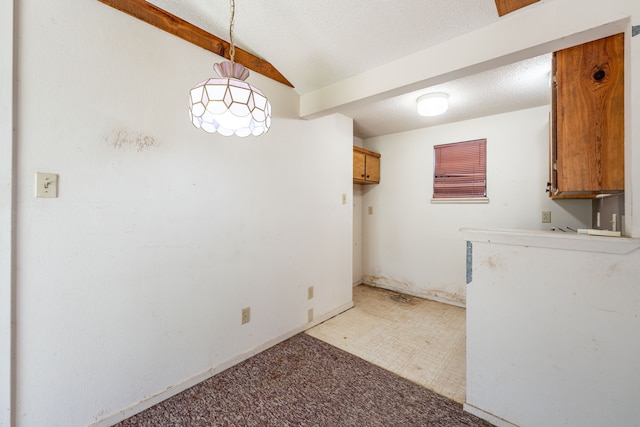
[{"x": 474, "y": 200}]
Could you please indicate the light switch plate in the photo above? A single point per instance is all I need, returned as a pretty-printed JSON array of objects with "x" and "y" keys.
[
  {"x": 246, "y": 315},
  {"x": 46, "y": 184},
  {"x": 545, "y": 217}
]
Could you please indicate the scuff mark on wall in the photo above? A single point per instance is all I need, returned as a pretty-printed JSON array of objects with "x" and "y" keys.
[
  {"x": 446, "y": 297},
  {"x": 494, "y": 263},
  {"x": 414, "y": 290},
  {"x": 124, "y": 138}
]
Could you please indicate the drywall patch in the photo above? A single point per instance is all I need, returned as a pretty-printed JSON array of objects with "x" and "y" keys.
[
  {"x": 635, "y": 30},
  {"x": 127, "y": 139}
]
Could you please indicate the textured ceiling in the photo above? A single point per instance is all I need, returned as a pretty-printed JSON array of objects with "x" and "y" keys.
[
  {"x": 314, "y": 43},
  {"x": 509, "y": 88}
]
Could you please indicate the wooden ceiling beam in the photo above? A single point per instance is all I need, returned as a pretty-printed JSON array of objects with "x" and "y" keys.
[
  {"x": 178, "y": 27},
  {"x": 508, "y": 6}
]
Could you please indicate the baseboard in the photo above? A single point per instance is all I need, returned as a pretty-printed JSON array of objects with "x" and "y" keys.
[
  {"x": 179, "y": 388},
  {"x": 443, "y": 300},
  {"x": 432, "y": 296},
  {"x": 324, "y": 318},
  {"x": 487, "y": 416}
]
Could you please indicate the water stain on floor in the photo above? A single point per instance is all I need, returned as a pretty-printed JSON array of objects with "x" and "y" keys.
[{"x": 403, "y": 299}]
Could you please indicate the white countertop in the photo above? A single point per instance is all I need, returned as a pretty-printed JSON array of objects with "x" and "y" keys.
[{"x": 553, "y": 240}]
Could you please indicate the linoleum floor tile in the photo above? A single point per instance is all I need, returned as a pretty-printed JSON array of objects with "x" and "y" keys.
[{"x": 418, "y": 339}]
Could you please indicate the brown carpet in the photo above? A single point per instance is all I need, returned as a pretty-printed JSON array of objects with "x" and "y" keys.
[{"x": 305, "y": 382}]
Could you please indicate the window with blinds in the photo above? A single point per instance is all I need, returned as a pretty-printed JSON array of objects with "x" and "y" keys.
[{"x": 460, "y": 170}]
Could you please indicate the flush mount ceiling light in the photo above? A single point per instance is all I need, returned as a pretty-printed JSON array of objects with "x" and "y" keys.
[
  {"x": 229, "y": 105},
  {"x": 433, "y": 104}
]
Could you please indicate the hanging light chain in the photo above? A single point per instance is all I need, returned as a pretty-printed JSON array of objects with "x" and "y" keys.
[
  {"x": 232, "y": 51},
  {"x": 228, "y": 105}
]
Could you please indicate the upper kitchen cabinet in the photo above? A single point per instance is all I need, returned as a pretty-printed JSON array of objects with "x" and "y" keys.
[
  {"x": 366, "y": 166},
  {"x": 587, "y": 119}
]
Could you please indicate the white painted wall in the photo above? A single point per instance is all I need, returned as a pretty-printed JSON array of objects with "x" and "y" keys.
[
  {"x": 357, "y": 226},
  {"x": 7, "y": 97},
  {"x": 632, "y": 128},
  {"x": 552, "y": 333},
  {"x": 414, "y": 246},
  {"x": 357, "y": 234},
  {"x": 129, "y": 285}
]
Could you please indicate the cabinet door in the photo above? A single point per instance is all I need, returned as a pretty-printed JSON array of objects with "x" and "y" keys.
[
  {"x": 366, "y": 166},
  {"x": 359, "y": 165},
  {"x": 372, "y": 169},
  {"x": 589, "y": 118}
]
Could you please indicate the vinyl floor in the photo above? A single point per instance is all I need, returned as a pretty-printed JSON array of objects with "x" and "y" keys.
[{"x": 417, "y": 339}]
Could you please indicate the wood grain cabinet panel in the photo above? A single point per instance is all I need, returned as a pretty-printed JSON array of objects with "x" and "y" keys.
[
  {"x": 587, "y": 120},
  {"x": 366, "y": 166}
]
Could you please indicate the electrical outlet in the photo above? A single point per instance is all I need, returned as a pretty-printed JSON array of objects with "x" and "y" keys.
[
  {"x": 546, "y": 217},
  {"x": 246, "y": 315},
  {"x": 310, "y": 292},
  {"x": 310, "y": 315}
]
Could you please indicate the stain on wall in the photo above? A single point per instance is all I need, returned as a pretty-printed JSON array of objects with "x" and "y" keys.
[
  {"x": 414, "y": 290},
  {"x": 128, "y": 139}
]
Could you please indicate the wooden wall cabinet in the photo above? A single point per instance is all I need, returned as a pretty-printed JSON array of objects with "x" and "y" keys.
[
  {"x": 587, "y": 120},
  {"x": 366, "y": 166}
]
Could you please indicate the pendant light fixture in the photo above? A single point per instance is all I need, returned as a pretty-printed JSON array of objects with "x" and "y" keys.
[{"x": 229, "y": 105}]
